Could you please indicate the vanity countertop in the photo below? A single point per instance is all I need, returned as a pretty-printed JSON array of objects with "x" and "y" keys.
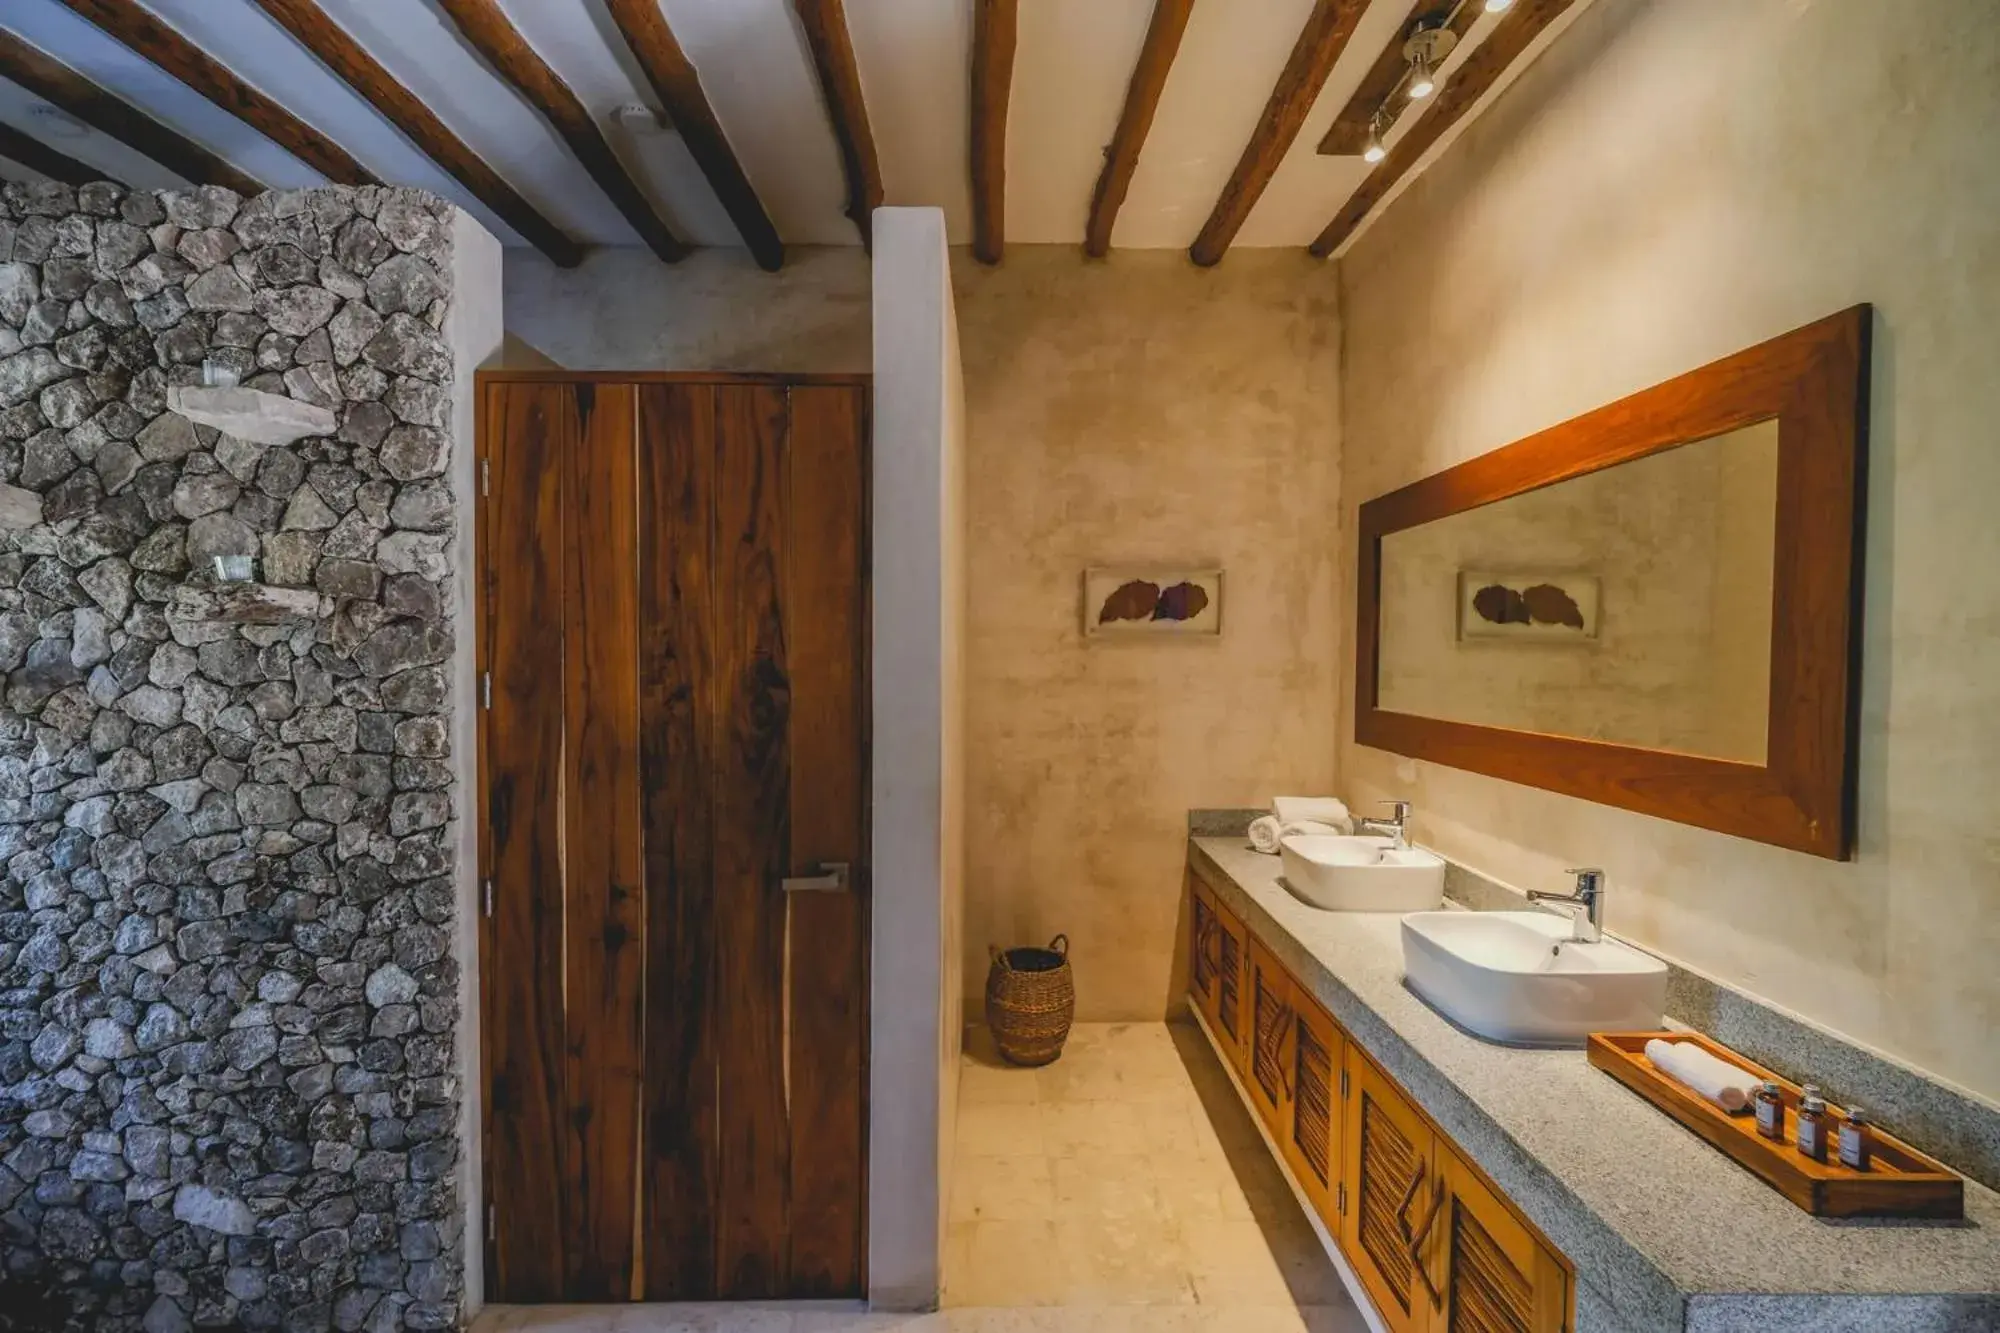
[{"x": 1665, "y": 1232}]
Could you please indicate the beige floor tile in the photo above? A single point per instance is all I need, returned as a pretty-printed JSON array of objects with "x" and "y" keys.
[
  {"x": 999, "y": 1130},
  {"x": 1002, "y": 1189},
  {"x": 1005, "y": 1264},
  {"x": 994, "y": 1085},
  {"x": 1106, "y": 1186},
  {"x": 1070, "y": 1129},
  {"x": 1124, "y": 1261}
]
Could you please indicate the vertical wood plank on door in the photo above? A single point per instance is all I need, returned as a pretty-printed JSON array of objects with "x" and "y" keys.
[
  {"x": 530, "y": 429},
  {"x": 826, "y": 611},
  {"x": 752, "y": 785},
  {"x": 676, "y": 758},
  {"x": 606, "y": 925}
]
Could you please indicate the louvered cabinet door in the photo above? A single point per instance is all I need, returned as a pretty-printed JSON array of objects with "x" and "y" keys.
[
  {"x": 1392, "y": 1196},
  {"x": 1268, "y": 1058},
  {"x": 1204, "y": 951},
  {"x": 1232, "y": 1019},
  {"x": 1312, "y": 1139},
  {"x": 1497, "y": 1275}
]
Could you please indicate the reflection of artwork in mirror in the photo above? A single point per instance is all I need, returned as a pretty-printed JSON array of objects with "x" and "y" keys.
[
  {"x": 1545, "y": 608},
  {"x": 1673, "y": 616}
]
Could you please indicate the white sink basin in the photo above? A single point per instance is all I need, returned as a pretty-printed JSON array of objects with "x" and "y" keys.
[
  {"x": 1517, "y": 977},
  {"x": 1361, "y": 874}
]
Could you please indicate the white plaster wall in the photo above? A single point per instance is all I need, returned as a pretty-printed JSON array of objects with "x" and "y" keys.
[
  {"x": 1672, "y": 182},
  {"x": 473, "y": 332},
  {"x": 1136, "y": 410},
  {"x": 913, "y": 1068},
  {"x": 622, "y": 309}
]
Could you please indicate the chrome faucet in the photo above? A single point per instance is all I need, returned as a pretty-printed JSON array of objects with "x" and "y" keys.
[
  {"x": 1587, "y": 926},
  {"x": 1397, "y": 828}
]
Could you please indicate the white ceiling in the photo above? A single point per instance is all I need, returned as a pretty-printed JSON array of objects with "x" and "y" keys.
[{"x": 1072, "y": 65}]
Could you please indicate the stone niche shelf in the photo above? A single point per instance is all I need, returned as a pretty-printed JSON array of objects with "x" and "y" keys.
[
  {"x": 260, "y": 604},
  {"x": 251, "y": 414}
]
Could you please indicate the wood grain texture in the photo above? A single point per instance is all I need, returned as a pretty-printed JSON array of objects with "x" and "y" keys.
[
  {"x": 1388, "y": 1160},
  {"x": 316, "y": 30},
  {"x": 824, "y": 23},
  {"x": 526, "y": 431},
  {"x": 1142, "y": 99},
  {"x": 1348, "y": 135},
  {"x": 1902, "y": 1182},
  {"x": 677, "y": 725},
  {"x": 488, "y": 31},
  {"x": 994, "y": 29},
  {"x": 64, "y": 88},
  {"x": 1814, "y": 381},
  {"x": 826, "y": 619},
  {"x": 38, "y": 157},
  {"x": 1320, "y": 43},
  {"x": 1512, "y": 35},
  {"x": 605, "y": 932},
  {"x": 147, "y": 36},
  {"x": 752, "y": 794},
  {"x": 544, "y": 375},
  {"x": 1496, "y": 1271},
  {"x": 674, "y": 80}
]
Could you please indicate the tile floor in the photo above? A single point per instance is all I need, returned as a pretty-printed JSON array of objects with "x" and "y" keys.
[{"x": 1122, "y": 1189}]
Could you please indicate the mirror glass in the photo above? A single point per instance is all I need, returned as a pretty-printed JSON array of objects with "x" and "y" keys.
[{"x": 1631, "y": 604}]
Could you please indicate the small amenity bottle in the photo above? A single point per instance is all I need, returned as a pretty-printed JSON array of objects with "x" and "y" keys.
[
  {"x": 1856, "y": 1140},
  {"x": 1771, "y": 1112},
  {"x": 1811, "y": 1138}
]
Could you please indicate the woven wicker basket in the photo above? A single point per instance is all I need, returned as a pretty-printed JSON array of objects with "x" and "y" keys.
[{"x": 1030, "y": 1000}]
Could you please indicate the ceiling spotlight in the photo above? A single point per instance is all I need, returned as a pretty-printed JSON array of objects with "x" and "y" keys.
[
  {"x": 1374, "y": 152},
  {"x": 1499, "y": 6},
  {"x": 1426, "y": 49}
]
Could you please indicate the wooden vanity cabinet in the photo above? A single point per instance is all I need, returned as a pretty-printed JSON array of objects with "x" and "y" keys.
[
  {"x": 1315, "y": 1118},
  {"x": 1496, "y": 1273},
  {"x": 1269, "y": 1055},
  {"x": 1218, "y": 958}
]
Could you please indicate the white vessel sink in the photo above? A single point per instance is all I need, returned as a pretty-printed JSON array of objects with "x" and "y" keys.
[
  {"x": 1518, "y": 977},
  {"x": 1361, "y": 874}
]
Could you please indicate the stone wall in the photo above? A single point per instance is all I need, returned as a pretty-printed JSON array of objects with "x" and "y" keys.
[{"x": 228, "y": 1088}]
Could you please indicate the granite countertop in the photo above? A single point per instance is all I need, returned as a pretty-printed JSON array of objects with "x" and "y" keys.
[{"x": 1665, "y": 1231}]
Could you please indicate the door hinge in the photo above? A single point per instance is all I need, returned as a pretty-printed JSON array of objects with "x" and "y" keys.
[
  {"x": 1343, "y": 1085},
  {"x": 1340, "y": 1199},
  {"x": 489, "y": 897},
  {"x": 485, "y": 478},
  {"x": 490, "y": 1226},
  {"x": 486, "y": 689}
]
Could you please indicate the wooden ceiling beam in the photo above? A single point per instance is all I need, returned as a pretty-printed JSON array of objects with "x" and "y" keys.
[
  {"x": 674, "y": 80},
  {"x": 37, "y": 156},
  {"x": 65, "y": 89},
  {"x": 1511, "y": 36},
  {"x": 1320, "y": 43},
  {"x": 1142, "y": 99},
  {"x": 825, "y": 25},
  {"x": 1348, "y": 135},
  {"x": 994, "y": 27},
  {"x": 136, "y": 27},
  {"x": 487, "y": 29},
  {"x": 331, "y": 45}
]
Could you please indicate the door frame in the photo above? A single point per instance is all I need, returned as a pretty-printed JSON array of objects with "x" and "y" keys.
[{"x": 474, "y": 1053}]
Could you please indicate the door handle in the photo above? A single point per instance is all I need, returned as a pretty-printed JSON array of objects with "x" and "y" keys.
[
  {"x": 1416, "y": 1245},
  {"x": 832, "y": 878}
]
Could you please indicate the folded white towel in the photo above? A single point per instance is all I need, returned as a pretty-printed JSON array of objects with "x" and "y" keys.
[
  {"x": 1719, "y": 1081},
  {"x": 1319, "y": 809},
  {"x": 1266, "y": 832}
]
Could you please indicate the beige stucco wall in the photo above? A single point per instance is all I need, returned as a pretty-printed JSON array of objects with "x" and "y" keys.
[
  {"x": 1132, "y": 411},
  {"x": 1674, "y": 181}
]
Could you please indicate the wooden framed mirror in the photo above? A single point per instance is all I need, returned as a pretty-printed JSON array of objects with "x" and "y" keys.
[{"x": 1655, "y": 605}]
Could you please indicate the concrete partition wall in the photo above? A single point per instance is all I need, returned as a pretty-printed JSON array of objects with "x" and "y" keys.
[{"x": 918, "y": 519}]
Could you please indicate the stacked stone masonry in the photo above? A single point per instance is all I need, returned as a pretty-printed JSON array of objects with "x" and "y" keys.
[{"x": 229, "y": 1095}]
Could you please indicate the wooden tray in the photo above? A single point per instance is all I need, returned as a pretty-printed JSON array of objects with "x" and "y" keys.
[{"x": 1900, "y": 1181}]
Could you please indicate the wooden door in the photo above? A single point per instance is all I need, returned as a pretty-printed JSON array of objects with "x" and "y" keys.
[
  {"x": 673, "y": 613},
  {"x": 1392, "y": 1195},
  {"x": 1270, "y": 1040},
  {"x": 1312, "y": 1137},
  {"x": 1495, "y": 1275}
]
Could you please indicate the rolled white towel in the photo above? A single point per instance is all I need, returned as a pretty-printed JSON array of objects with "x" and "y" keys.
[
  {"x": 1719, "y": 1081},
  {"x": 1266, "y": 832},
  {"x": 1316, "y": 809}
]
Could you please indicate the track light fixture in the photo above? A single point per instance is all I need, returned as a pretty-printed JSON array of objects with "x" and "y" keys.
[
  {"x": 1499, "y": 6},
  {"x": 1374, "y": 152},
  {"x": 1425, "y": 50}
]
